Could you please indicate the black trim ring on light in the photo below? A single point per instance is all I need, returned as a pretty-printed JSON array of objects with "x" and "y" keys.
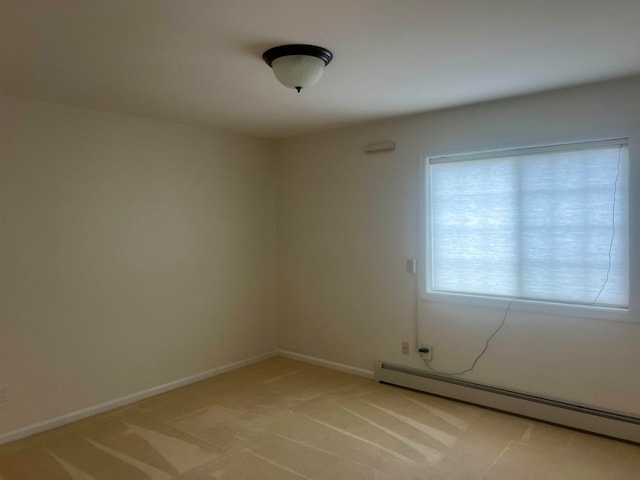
[{"x": 297, "y": 49}]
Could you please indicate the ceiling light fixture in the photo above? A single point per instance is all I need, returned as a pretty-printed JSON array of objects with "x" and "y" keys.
[{"x": 297, "y": 66}]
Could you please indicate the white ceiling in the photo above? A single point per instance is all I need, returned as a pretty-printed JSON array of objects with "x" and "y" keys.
[{"x": 199, "y": 61}]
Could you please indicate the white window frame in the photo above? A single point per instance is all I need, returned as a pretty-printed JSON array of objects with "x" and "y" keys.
[{"x": 629, "y": 314}]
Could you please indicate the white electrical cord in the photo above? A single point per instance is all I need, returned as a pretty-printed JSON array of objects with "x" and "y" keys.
[{"x": 486, "y": 347}]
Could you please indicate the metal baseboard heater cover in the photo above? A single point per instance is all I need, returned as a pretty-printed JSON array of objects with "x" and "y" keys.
[{"x": 590, "y": 419}]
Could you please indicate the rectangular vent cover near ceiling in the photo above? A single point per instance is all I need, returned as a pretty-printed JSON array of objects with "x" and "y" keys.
[{"x": 590, "y": 419}]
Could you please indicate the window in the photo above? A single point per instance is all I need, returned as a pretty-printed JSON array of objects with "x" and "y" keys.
[{"x": 546, "y": 224}]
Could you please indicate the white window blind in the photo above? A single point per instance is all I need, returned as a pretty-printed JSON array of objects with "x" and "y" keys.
[{"x": 547, "y": 224}]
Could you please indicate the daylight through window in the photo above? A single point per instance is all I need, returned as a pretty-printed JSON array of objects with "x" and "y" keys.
[{"x": 547, "y": 224}]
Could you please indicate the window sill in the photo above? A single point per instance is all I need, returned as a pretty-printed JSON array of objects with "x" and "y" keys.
[{"x": 523, "y": 305}]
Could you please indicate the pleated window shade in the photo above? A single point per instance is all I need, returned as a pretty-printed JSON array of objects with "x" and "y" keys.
[{"x": 547, "y": 224}]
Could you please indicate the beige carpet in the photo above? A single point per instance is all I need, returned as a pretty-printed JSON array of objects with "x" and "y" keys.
[{"x": 281, "y": 419}]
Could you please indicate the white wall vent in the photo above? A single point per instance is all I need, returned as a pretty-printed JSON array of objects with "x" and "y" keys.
[{"x": 380, "y": 147}]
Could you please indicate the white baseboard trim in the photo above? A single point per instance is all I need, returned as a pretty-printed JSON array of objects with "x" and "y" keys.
[
  {"x": 327, "y": 363},
  {"x": 128, "y": 399},
  {"x": 582, "y": 417}
]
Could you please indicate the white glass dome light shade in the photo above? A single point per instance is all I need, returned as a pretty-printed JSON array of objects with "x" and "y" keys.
[
  {"x": 298, "y": 71},
  {"x": 298, "y": 65}
]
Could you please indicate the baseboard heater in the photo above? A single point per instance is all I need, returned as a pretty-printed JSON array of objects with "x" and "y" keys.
[{"x": 581, "y": 417}]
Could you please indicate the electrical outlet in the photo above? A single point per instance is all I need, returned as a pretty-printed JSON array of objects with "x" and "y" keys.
[
  {"x": 426, "y": 352},
  {"x": 405, "y": 348},
  {"x": 3, "y": 393},
  {"x": 221, "y": 339}
]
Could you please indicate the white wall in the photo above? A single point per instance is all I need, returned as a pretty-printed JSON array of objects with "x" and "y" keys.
[
  {"x": 347, "y": 222},
  {"x": 127, "y": 246}
]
